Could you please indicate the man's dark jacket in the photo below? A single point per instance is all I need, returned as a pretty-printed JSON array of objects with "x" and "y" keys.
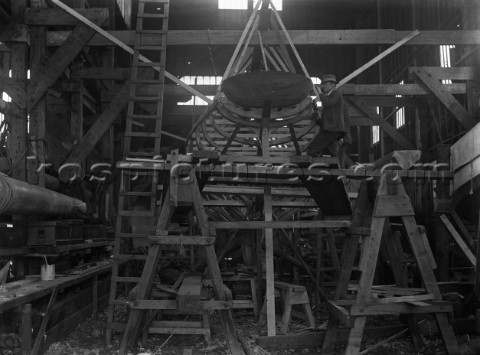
[{"x": 332, "y": 112}]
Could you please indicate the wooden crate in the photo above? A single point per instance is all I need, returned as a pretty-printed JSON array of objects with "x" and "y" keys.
[{"x": 54, "y": 233}]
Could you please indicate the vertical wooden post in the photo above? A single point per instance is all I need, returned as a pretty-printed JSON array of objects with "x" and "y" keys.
[
  {"x": 38, "y": 49},
  {"x": 269, "y": 272},
  {"x": 442, "y": 236},
  {"x": 26, "y": 329},
  {"x": 76, "y": 116},
  {"x": 318, "y": 273},
  {"x": 267, "y": 106},
  {"x": 95, "y": 295},
  {"x": 477, "y": 266},
  {"x": 258, "y": 246},
  {"x": 18, "y": 125}
]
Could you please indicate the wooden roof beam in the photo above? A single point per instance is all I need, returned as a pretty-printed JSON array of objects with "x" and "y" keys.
[
  {"x": 299, "y": 37},
  {"x": 58, "y": 17},
  {"x": 59, "y": 60},
  {"x": 380, "y": 121},
  {"x": 433, "y": 85}
]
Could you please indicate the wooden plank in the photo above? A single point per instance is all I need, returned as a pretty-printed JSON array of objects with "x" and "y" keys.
[
  {"x": 56, "y": 64},
  {"x": 238, "y": 190},
  {"x": 384, "y": 125},
  {"x": 452, "y": 73},
  {"x": 368, "y": 92},
  {"x": 57, "y": 17},
  {"x": 393, "y": 205},
  {"x": 397, "y": 89},
  {"x": 400, "y": 308},
  {"x": 181, "y": 239},
  {"x": 463, "y": 229},
  {"x": 377, "y": 58},
  {"x": 340, "y": 313},
  {"x": 451, "y": 103},
  {"x": 385, "y": 300},
  {"x": 239, "y": 203},
  {"x": 213, "y": 267},
  {"x": 269, "y": 271},
  {"x": 466, "y": 149},
  {"x": 428, "y": 249},
  {"x": 280, "y": 224},
  {"x": 43, "y": 325},
  {"x": 34, "y": 292},
  {"x": 25, "y": 331},
  {"x": 189, "y": 294},
  {"x": 315, "y": 339},
  {"x": 458, "y": 238},
  {"x": 467, "y": 174},
  {"x": 14, "y": 33},
  {"x": 429, "y": 281},
  {"x": 299, "y": 37}
]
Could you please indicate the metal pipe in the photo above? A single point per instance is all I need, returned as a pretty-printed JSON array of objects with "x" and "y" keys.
[{"x": 20, "y": 198}]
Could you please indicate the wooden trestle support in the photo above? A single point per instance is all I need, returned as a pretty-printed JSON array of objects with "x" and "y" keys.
[
  {"x": 391, "y": 201},
  {"x": 183, "y": 191},
  {"x": 189, "y": 177}
]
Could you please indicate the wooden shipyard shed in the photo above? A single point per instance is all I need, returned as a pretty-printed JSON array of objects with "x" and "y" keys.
[{"x": 160, "y": 191}]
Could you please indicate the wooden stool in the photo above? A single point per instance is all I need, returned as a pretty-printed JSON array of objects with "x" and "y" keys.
[{"x": 291, "y": 295}]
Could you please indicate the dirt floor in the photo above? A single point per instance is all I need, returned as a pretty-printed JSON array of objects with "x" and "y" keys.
[{"x": 89, "y": 339}]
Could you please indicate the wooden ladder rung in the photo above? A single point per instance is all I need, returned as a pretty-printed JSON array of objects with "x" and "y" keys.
[
  {"x": 147, "y": 15},
  {"x": 146, "y": 98},
  {"x": 147, "y": 117},
  {"x": 143, "y": 134},
  {"x": 146, "y": 81},
  {"x": 128, "y": 213},
  {"x": 137, "y": 193},
  {"x": 151, "y": 47}
]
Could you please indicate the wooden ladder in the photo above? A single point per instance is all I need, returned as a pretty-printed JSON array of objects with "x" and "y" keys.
[
  {"x": 139, "y": 192},
  {"x": 391, "y": 201},
  {"x": 183, "y": 192},
  {"x": 143, "y": 129}
]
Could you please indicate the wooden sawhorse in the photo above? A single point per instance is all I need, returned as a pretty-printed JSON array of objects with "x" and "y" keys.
[
  {"x": 391, "y": 201},
  {"x": 291, "y": 295}
]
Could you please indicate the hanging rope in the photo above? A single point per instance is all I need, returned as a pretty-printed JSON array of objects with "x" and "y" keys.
[{"x": 210, "y": 52}]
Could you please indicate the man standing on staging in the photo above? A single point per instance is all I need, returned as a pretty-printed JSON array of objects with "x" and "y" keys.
[{"x": 332, "y": 121}]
